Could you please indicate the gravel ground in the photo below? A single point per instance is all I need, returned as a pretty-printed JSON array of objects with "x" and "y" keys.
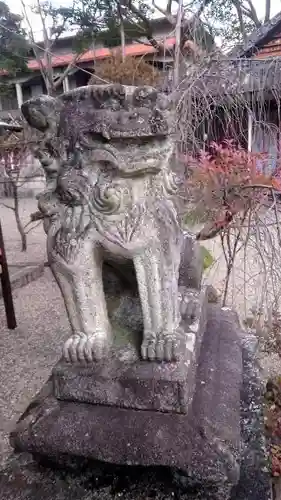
[
  {"x": 29, "y": 352},
  {"x": 36, "y": 252}
]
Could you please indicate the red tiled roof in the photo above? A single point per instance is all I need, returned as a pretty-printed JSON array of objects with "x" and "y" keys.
[{"x": 137, "y": 49}]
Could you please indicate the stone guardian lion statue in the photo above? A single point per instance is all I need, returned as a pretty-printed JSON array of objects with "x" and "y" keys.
[{"x": 109, "y": 197}]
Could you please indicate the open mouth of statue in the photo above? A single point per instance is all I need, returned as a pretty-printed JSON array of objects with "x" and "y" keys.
[
  {"x": 128, "y": 124},
  {"x": 122, "y": 163}
]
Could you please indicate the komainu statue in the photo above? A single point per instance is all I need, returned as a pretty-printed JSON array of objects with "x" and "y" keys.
[{"x": 109, "y": 198}]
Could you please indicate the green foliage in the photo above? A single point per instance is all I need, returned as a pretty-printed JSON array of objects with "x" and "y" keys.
[
  {"x": 208, "y": 259},
  {"x": 111, "y": 35},
  {"x": 99, "y": 21},
  {"x": 225, "y": 22},
  {"x": 222, "y": 20},
  {"x": 83, "y": 18},
  {"x": 13, "y": 45}
]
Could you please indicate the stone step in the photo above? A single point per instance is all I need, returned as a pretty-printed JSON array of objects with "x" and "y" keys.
[{"x": 22, "y": 275}]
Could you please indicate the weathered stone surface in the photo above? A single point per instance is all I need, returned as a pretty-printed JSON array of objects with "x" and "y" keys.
[
  {"x": 125, "y": 381},
  {"x": 24, "y": 479},
  {"x": 22, "y": 275},
  {"x": 206, "y": 441},
  {"x": 255, "y": 477},
  {"x": 77, "y": 479},
  {"x": 213, "y": 295},
  {"x": 70, "y": 478},
  {"x": 110, "y": 196},
  {"x": 191, "y": 267}
]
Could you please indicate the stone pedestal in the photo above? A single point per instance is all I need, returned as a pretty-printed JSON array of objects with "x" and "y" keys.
[
  {"x": 125, "y": 381},
  {"x": 201, "y": 439}
]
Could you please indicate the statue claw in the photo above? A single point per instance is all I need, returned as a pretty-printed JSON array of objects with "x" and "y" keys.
[
  {"x": 82, "y": 348},
  {"x": 160, "y": 347}
]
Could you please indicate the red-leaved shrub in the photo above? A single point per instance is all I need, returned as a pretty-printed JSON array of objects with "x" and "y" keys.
[{"x": 228, "y": 181}]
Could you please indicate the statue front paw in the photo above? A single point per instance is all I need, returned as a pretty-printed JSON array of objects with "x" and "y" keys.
[
  {"x": 82, "y": 348},
  {"x": 160, "y": 347}
]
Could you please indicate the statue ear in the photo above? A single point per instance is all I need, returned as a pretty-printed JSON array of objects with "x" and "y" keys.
[{"x": 42, "y": 112}]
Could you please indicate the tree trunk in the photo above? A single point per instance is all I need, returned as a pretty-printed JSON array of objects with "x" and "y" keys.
[
  {"x": 178, "y": 44},
  {"x": 49, "y": 87},
  {"x": 123, "y": 42},
  {"x": 267, "y": 10},
  {"x": 122, "y": 32},
  {"x": 49, "y": 81},
  {"x": 18, "y": 220},
  {"x": 241, "y": 20},
  {"x": 253, "y": 14}
]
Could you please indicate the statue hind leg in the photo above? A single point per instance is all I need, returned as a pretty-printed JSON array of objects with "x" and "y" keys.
[{"x": 157, "y": 276}]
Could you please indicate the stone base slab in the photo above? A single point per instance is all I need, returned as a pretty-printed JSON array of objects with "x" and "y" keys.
[
  {"x": 204, "y": 442},
  {"x": 127, "y": 382}
]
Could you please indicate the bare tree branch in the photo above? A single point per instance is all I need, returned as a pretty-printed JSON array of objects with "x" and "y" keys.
[
  {"x": 165, "y": 13},
  {"x": 253, "y": 14},
  {"x": 7, "y": 206},
  {"x": 122, "y": 31},
  {"x": 47, "y": 53},
  {"x": 203, "y": 5},
  {"x": 59, "y": 33},
  {"x": 169, "y": 6},
  {"x": 146, "y": 23},
  {"x": 43, "y": 54},
  {"x": 75, "y": 59},
  {"x": 34, "y": 44},
  {"x": 33, "y": 227},
  {"x": 241, "y": 19},
  {"x": 178, "y": 32}
]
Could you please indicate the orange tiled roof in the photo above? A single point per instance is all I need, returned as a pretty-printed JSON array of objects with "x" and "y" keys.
[{"x": 137, "y": 49}]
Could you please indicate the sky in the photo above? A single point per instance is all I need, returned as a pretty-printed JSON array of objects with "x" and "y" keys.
[
  {"x": 260, "y": 4},
  {"x": 16, "y": 6}
]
